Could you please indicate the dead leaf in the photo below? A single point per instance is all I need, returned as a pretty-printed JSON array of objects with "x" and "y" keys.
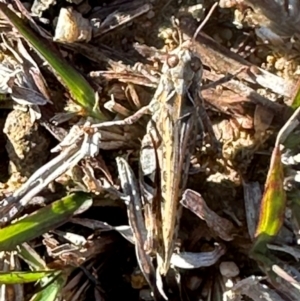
[{"x": 194, "y": 202}]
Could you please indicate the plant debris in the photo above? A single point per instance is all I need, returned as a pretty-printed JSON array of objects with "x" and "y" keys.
[{"x": 81, "y": 209}]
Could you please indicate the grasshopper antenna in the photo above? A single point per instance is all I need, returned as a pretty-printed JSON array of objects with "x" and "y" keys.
[{"x": 204, "y": 21}]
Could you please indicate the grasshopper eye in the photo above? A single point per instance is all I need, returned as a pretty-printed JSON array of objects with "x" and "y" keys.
[
  {"x": 196, "y": 64},
  {"x": 172, "y": 60}
]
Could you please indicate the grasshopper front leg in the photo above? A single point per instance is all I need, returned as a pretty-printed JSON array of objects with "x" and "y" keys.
[{"x": 127, "y": 121}]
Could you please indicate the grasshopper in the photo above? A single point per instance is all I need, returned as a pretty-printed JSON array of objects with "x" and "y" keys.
[
  {"x": 167, "y": 147},
  {"x": 172, "y": 132}
]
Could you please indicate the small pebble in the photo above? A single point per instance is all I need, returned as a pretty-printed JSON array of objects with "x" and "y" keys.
[
  {"x": 229, "y": 269},
  {"x": 229, "y": 283},
  {"x": 280, "y": 64},
  {"x": 27, "y": 143},
  {"x": 150, "y": 14},
  {"x": 270, "y": 59},
  {"x": 227, "y": 3}
]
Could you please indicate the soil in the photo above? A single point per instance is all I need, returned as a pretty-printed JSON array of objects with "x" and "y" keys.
[{"x": 219, "y": 171}]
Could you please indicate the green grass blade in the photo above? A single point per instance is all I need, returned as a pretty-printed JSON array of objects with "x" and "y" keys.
[
  {"x": 274, "y": 198},
  {"x": 296, "y": 100},
  {"x": 41, "y": 221},
  {"x": 18, "y": 277},
  {"x": 52, "y": 290},
  {"x": 80, "y": 89},
  {"x": 271, "y": 212}
]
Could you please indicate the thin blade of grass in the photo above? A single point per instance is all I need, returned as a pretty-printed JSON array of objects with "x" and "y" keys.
[
  {"x": 42, "y": 221},
  {"x": 296, "y": 98},
  {"x": 80, "y": 89},
  {"x": 50, "y": 291},
  {"x": 273, "y": 207},
  {"x": 18, "y": 277},
  {"x": 31, "y": 257},
  {"x": 273, "y": 204}
]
